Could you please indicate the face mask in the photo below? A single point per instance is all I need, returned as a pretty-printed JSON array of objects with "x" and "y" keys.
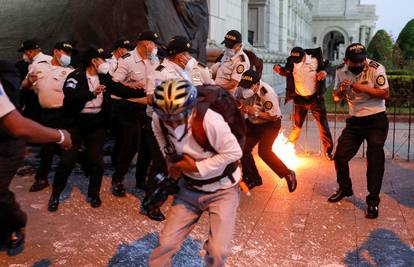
[
  {"x": 356, "y": 70},
  {"x": 229, "y": 52},
  {"x": 247, "y": 93},
  {"x": 26, "y": 59},
  {"x": 154, "y": 53},
  {"x": 190, "y": 64},
  {"x": 64, "y": 60},
  {"x": 103, "y": 68}
]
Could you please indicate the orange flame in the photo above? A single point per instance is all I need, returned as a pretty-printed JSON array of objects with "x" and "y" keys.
[{"x": 286, "y": 151}]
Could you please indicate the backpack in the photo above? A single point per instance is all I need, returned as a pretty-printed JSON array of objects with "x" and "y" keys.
[{"x": 222, "y": 102}]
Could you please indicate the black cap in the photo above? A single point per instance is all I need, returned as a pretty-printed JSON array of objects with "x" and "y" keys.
[
  {"x": 249, "y": 78},
  {"x": 232, "y": 37},
  {"x": 92, "y": 53},
  {"x": 356, "y": 52},
  {"x": 179, "y": 44},
  {"x": 296, "y": 54},
  {"x": 65, "y": 46},
  {"x": 123, "y": 43},
  {"x": 148, "y": 36},
  {"x": 28, "y": 45}
]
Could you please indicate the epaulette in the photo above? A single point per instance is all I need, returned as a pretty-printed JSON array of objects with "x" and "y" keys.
[
  {"x": 374, "y": 64},
  {"x": 202, "y": 65},
  {"x": 263, "y": 90},
  {"x": 340, "y": 66},
  {"x": 242, "y": 58},
  {"x": 126, "y": 55},
  {"x": 160, "y": 68}
]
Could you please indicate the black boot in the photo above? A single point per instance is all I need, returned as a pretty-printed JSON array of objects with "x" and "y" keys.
[
  {"x": 291, "y": 181},
  {"x": 53, "y": 204},
  {"x": 118, "y": 190},
  {"x": 339, "y": 195},
  {"x": 372, "y": 212},
  {"x": 39, "y": 185},
  {"x": 95, "y": 201}
]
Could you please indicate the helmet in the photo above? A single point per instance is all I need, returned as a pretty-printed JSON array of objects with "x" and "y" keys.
[{"x": 174, "y": 99}]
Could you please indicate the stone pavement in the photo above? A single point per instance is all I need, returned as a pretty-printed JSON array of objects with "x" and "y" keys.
[{"x": 274, "y": 227}]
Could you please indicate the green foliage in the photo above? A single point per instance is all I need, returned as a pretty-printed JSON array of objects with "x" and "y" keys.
[
  {"x": 405, "y": 41},
  {"x": 380, "y": 48}
]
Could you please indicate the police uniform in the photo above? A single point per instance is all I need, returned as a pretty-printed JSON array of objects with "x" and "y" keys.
[
  {"x": 260, "y": 131},
  {"x": 49, "y": 88},
  {"x": 367, "y": 121},
  {"x": 200, "y": 75}
]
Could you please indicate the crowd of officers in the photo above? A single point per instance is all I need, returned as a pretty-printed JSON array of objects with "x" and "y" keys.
[{"x": 117, "y": 91}]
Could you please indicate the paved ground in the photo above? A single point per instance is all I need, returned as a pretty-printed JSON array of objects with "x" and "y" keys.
[{"x": 274, "y": 227}]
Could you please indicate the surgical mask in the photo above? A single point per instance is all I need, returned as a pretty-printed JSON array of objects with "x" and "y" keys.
[
  {"x": 356, "y": 70},
  {"x": 229, "y": 52},
  {"x": 190, "y": 64},
  {"x": 103, "y": 68},
  {"x": 247, "y": 93},
  {"x": 153, "y": 55},
  {"x": 64, "y": 60},
  {"x": 26, "y": 59}
]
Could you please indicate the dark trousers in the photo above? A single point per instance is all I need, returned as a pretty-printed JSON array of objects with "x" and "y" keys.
[
  {"x": 12, "y": 217},
  {"x": 50, "y": 118},
  {"x": 88, "y": 131},
  {"x": 264, "y": 135},
  {"x": 374, "y": 130},
  {"x": 318, "y": 109}
]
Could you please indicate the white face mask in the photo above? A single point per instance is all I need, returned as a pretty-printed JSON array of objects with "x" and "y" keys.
[
  {"x": 104, "y": 68},
  {"x": 190, "y": 64},
  {"x": 247, "y": 93},
  {"x": 154, "y": 53},
  {"x": 229, "y": 52},
  {"x": 26, "y": 59},
  {"x": 64, "y": 60}
]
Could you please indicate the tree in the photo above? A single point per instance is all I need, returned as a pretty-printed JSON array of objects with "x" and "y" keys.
[
  {"x": 380, "y": 48},
  {"x": 405, "y": 42}
]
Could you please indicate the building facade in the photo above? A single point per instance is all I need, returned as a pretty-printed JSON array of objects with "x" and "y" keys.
[{"x": 271, "y": 28}]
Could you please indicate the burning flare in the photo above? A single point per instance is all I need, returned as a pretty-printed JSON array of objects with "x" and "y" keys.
[{"x": 286, "y": 151}]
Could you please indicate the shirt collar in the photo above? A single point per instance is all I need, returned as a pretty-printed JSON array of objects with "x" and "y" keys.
[{"x": 137, "y": 56}]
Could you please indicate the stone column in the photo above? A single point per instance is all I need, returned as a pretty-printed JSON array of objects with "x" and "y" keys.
[{"x": 244, "y": 20}]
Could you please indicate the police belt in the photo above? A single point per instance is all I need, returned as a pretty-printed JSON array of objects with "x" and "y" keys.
[{"x": 228, "y": 172}]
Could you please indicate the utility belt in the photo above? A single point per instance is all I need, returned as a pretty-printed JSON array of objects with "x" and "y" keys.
[
  {"x": 228, "y": 172},
  {"x": 366, "y": 119}
]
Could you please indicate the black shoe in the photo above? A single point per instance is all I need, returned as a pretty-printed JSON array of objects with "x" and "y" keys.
[
  {"x": 53, "y": 203},
  {"x": 95, "y": 202},
  {"x": 291, "y": 181},
  {"x": 372, "y": 212},
  {"x": 155, "y": 214},
  {"x": 39, "y": 185},
  {"x": 329, "y": 156},
  {"x": 16, "y": 239},
  {"x": 118, "y": 190},
  {"x": 339, "y": 195}
]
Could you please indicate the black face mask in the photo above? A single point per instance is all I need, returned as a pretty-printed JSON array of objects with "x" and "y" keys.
[{"x": 356, "y": 70}]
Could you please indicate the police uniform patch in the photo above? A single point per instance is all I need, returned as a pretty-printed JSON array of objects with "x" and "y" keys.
[
  {"x": 71, "y": 83},
  {"x": 240, "y": 69},
  {"x": 380, "y": 80},
  {"x": 268, "y": 105},
  {"x": 374, "y": 64},
  {"x": 160, "y": 68},
  {"x": 126, "y": 55}
]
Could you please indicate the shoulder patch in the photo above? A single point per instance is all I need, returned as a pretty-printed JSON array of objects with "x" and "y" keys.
[
  {"x": 242, "y": 58},
  {"x": 126, "y": 55},
  {"x": 160, "y": 68},
  {"x": 263, "y": 90},
  {"x": 340, "y": 66},
  {"x": 71, "y": 83},
  {"x": 268, "y": 105},
  {"x": 374, "y": 64},
  {"x": 240, "y": 69},
  {"x": 380, "y": 80},
  {"x": 202, "y": 65}
]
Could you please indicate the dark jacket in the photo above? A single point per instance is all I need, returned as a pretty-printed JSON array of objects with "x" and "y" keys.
[
  {"x": 77, "y": 94},
  {"x": 290, "y": 82}
]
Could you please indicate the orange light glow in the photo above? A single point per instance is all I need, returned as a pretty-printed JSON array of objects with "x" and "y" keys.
[{"x": 286, "y": 152}]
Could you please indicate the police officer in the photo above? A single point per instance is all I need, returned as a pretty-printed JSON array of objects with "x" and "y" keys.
[
  {"x": 13, "y": 129},
  {"x": 305, "y": 84},
  {"x": 47, "y": 78},
  {"x": 363, "y": 83},
  {"x": 32, "y": 52},
  {"x": 133, "y": 69},
  {"x": 261, "y": 104},
  {"x": 227, "y": 73},
  {"x": 120, "y": 49},
  {"x": 84, "y": 107}
]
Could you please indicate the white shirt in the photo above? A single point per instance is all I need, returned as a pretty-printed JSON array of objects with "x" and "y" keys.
[
  {"x": 362, "y": 104},
  {"x": 304, "y": 74},
  {"x": 209, "y": 165},
  {"x": 113, "y": 64},
  {"x": 38, "y": 58},
  {"x": 49, "y": 85},
  {"x": 230, "y": 69},
  {"x": 95, "y": 105},
  {"x": 200, "y": 75},
  {"x": 5, "y": 105}
]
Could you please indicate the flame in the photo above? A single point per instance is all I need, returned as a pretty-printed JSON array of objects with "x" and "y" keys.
[{"x": 286, "y": 151}]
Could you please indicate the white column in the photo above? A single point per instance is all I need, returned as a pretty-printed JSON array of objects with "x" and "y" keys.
[{"x": 244, "y": 20}]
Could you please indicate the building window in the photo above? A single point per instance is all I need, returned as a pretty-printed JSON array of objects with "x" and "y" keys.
[{"x": 257, "y": 17}]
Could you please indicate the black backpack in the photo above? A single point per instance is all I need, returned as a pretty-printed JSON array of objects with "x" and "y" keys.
[{"x": 222, "y": 102}]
